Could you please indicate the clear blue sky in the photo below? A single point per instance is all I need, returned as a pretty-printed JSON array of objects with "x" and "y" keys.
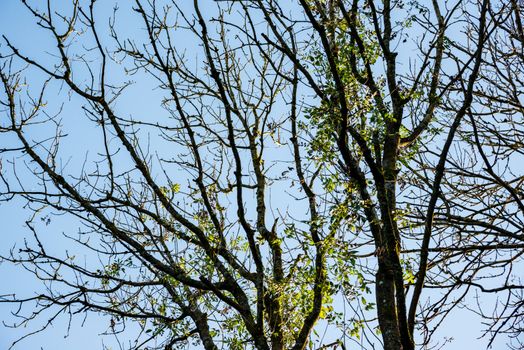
[{"x": 15, "y": 23}]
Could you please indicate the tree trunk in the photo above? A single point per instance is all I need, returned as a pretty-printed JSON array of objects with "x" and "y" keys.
[{"x": 386, "y": 307}]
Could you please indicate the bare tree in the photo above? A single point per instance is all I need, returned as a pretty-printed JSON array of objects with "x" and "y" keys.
[{"x": 290, "y": 158}]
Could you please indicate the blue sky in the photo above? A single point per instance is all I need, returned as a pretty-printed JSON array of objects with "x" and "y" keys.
[{"x": 18, "y": 26}]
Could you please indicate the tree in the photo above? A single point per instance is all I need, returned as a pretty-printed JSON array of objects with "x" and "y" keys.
[{"x": 289, "y": 161}]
